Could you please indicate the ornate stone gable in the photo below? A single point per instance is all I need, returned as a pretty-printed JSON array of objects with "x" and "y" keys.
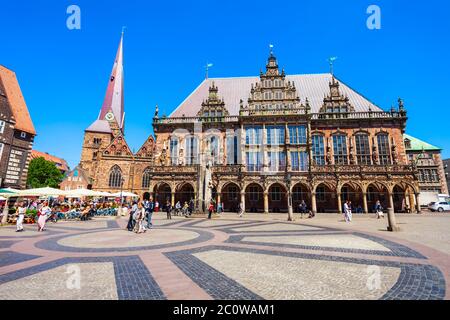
[
  {"x": 273, "y": 94},
  {"x": 335, "y": 102},
  {"x": 213, "y": 107},
  {"x": 148, "y": 149},
  {"x": 118, "y": 148}
]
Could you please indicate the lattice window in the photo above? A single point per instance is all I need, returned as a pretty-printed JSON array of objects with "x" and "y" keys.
[
  {"x": 383, "y": 149},
  {"x": 191, "y": 150},
  {"x": 297, "y": 134},
  {"x": 253, "y": 193},
  {"x": 253, "y": 135},
  {"x": 275, "y": 135},
  {"x": 174, "y": 151},
  {"x": 115, "y": 177},
  {"x": 340, "y": 149},
  {"x": 146, "y": 177},
  {"x": 318, "y": 150},
  {"x": 254, "y": 161},
  {"x": 299, "y": 161},
  {"x": 363, "y": 149}
]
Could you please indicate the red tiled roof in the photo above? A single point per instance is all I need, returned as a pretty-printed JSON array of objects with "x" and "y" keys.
[
  {"x": 60, "y": 163},
  {"x": 16, "y": 100}
]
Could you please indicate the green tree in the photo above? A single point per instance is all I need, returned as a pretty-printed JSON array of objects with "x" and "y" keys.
[{"x": 43, "y": 173}]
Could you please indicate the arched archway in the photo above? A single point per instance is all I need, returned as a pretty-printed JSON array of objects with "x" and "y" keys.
[
  {"x": 184, "y": 193},
  {"x": 353, "y": 193},
  {"x": 326, "y": 199},
  {"x": 404, "y": 198},
  {"x": 162, "y": 193},
  {"x": 300, "y": 192},
  {"x": 254, "y": 198},
  {"x": 278, "y": 198},
  {"x": 377, "y": 192},
  {"x": 230, "y": 196}
]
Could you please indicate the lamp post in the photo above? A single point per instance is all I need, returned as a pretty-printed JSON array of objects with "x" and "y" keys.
[
  {"x": 119, "y": 212},
  {"x": 288, "y": 184}
]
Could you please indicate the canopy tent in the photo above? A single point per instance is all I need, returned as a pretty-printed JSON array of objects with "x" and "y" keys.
[
  {"x": 8, "y": 192},
  {"x": 125, "y": 194},
  {"x": 86, "y": 193},
  {"x": 47, "y": 191}
]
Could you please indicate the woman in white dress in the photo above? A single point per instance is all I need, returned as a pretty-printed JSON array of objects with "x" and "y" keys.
[{"x": 43, "y": 212}]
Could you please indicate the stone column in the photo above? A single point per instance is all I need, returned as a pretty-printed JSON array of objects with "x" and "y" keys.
[
  {"x": 392, "y": 224},
  {"x": 172, "y": 199},
  {"x": 339, "y": 202},
  {"x": 243, "y": 201},
  {"x": 218, "y": 197},
  {"x": 391, "y": 201},
  {"x": 266, "y": 202},
  {"x": 313, "y": 203},
  {"x": 412, "y": 203},
  {"x": 417, "y": 198},
  {"x": 365, "y": 206}
]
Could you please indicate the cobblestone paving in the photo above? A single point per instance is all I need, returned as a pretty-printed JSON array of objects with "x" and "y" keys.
[{"x": 256, "y": 257}]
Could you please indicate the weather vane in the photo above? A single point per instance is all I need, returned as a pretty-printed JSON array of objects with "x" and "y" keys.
[
  {"x": 331, "y": 61},
  {"x": 208, "y": 65},
  {"x": 271, "y": 49}
]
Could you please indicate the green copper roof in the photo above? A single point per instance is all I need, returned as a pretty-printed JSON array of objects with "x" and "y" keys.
[{"x": 419, "y": 145}]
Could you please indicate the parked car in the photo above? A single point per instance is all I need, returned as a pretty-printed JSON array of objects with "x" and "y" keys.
[{"x": 439, "y": 206}]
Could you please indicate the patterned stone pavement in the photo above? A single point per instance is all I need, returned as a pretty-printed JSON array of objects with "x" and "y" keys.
[{"x": 251, "y": 258}]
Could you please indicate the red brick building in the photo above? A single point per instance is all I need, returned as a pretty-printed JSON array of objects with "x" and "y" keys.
[{"x": 16, "y": 132}]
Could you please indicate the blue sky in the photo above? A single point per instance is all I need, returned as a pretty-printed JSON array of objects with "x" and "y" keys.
[{"x": 63, "y": 73}]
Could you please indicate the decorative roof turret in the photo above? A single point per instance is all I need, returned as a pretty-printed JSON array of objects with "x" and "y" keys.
[
  {"x": 335, "y": 102},
  {"x": 213, "y": 107}
]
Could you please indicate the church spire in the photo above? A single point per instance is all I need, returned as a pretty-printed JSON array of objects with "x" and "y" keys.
[{"x": 114, "y": 99}]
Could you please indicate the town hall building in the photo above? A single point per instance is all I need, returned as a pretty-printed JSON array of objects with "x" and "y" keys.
[{"x": 266, "y": 142}]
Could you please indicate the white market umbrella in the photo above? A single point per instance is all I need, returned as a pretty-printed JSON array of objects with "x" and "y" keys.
[
  {"x": 83, "y": 193},
  {"x": 47, "y": 191},
  {"x": 125, "y": 194}
]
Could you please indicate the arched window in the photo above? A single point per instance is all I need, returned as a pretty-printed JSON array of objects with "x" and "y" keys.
[
  {"x": 146, "y": 179},
  {"x": 115, "y": 177}
]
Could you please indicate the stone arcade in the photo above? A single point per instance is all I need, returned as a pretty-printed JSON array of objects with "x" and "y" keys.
[{"x": 267, "y": 142}]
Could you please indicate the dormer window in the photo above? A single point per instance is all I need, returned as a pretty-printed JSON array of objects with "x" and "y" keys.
[{"x": 407, "y": 144}]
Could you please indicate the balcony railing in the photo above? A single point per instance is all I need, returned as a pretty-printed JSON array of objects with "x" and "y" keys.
[
  {"x": 181, "y": 120},
  {"x": 175, "y": 169},
  {"x": 380, "y": 169},
  {"x": 360, "y": 115}
]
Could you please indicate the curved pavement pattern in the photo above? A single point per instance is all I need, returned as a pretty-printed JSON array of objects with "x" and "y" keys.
[{"x": 226, "y": 258}]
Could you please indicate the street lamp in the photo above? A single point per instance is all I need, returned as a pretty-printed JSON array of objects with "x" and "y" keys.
[
  {"x": 288, "y": 184},
  {"x": 119, "y": 212}
]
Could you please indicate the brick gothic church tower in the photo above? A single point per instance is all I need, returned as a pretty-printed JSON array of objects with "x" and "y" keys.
[{"x": 110, "y": 121}]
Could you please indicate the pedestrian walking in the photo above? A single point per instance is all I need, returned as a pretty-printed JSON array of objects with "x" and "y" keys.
[
  {"x": 169, "y": 210},
  {"x": 131, "y": 221},
  {"x": 210, "y": 209},
  {"x": 20, "y": 212},
  {"x": 378, "y": 210},
  {"x": 42, "y": 213},
  {"x": 191, "y": 206},
  {"x": 140, "y": 217},
  {"x": 303, "y": 208},
  {"x": 220, "y": 207},
  {"x": 346, "y": 211},
  {"x": 178, "y": 208},
  {"x": 240, "y": 209}
]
